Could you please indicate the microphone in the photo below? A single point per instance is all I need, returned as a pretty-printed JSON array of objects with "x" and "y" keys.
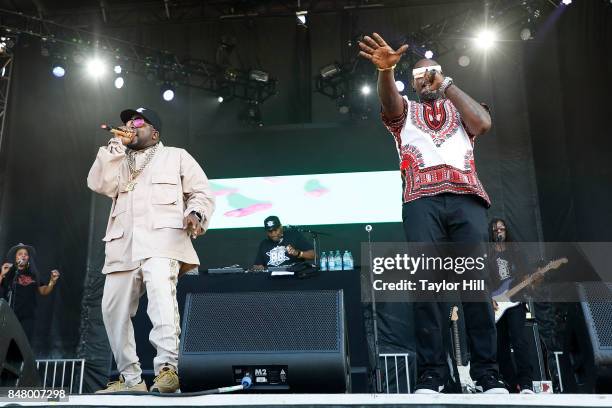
[
  {"x": 498, "y": 238},
  {"x": 368, "y": 228},
  {"x": 118, "y": 132}
]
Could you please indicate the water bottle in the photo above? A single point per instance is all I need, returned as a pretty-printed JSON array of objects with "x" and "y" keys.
[
  {"x": 338, "y": 260},
  {"x": 331, "y": 261},
  {"x": 323, "y": 261},
  {"x": 351, "y": 261},
  {"x": 347, "y": 260}
]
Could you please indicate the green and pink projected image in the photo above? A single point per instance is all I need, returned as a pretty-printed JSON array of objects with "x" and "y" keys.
[{"x": 312, "y": 199}]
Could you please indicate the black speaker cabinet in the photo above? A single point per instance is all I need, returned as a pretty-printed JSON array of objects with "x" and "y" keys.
[
  {"x": 589, "y": 344},
  {"x": 18, "y": 367},
  {"x": 285, "y": 341}
]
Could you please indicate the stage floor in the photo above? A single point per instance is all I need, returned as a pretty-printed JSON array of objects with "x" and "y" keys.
[{"x": 337, "y": 400}]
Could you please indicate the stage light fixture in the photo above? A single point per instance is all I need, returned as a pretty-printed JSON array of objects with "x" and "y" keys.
[
  {"x": 220, "y": 99},
  {"x": 566, "y": 2},
  {"x": 168, "y": 95},
  {"x": 58, "y": 70},
  {"x": 485, "y": 39},
  {"x": 343, "y": 105},
  {"x": 525, "y": 34},
  {"x": 429, "y": 54},
  {"x": 464, "y": 61},
  {"x": 117, "y": 69},
  {"x": 400, "y": 86},
  {"x": 77, "y": 57},
  {"x": 301, "y": 17},
  {"x": 167, "y": 92},
  {"x": 329, "y": 71},
  {"x": 259, "y": 76},
  {"x": 119, "y": 82},
  {"x": 365, "y": 89},
  {"x": 96, "y": 67},
  {"x": 251, "y": 115}
]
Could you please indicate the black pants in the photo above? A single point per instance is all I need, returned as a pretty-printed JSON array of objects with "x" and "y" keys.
[
  {"x": 451, "y": 218},
  {"x": 511, "y": 333}
]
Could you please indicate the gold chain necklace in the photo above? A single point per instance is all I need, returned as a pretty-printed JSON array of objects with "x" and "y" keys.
[{"x": 134, "y": 172}]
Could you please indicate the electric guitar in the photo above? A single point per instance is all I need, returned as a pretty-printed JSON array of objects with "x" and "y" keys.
[
  {"x": 503, "y": 294},
  {"x": 467, "y": 384}
]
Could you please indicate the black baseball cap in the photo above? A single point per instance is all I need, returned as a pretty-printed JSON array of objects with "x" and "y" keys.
[
  {"x": 271, "y": 223},
  {"x": 149, "y": 115}
]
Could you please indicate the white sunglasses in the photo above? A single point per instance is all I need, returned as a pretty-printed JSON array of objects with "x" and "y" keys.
[{"x": 420, "y": 72}]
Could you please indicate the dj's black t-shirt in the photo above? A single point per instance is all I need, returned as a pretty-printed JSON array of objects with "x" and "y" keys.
[{"x": 272, "y": 253}]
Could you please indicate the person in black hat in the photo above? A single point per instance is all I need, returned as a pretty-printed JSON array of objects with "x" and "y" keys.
[
  {"x": 161, "y": 201},
  {"x": 20, "y": 283},
  {"x": 281, "y": 247}
]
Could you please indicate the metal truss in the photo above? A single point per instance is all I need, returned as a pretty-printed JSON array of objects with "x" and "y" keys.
[
  {"x": 442, "y": 35},
  {"x": 62, "y": 41}
]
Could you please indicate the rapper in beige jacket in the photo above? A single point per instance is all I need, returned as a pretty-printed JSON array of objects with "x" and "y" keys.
[{"x": 148, "y": 220}]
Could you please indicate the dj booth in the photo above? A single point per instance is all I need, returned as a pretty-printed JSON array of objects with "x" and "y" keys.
[{"x": 347, "y": 281}]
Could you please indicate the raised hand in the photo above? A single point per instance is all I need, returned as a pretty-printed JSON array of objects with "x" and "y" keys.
[
  {"x": 5, "y": 268},
  {"x": 55, "y": 275},
  {"x": 379, "y": 52}
]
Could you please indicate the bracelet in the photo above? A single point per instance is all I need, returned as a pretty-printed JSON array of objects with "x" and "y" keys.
[
  {"x": 387, "y": 69},
  {"x": 448, "y": 81}
]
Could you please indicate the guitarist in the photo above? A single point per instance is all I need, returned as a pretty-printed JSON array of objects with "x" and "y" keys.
[{"x": 507, "y": 262}]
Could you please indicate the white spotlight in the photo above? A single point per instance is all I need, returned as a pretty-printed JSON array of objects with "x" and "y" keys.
[
  {"x": 485, "y": 39},
  {"x": 119, "y": 82},
  {"x": 366, "y": 89},
  {"x": 400, "y": 86},
  {"x": 59, "y": 71},
  {"x": 96, "y": 67},
  {"x": 567, "y": 2},
  {"x": 429, "y": 54},
  {"x": 168, "y": 95},
  {"x": 117, "y": 69},
  {"x": 464, "y": 61},
  {"x": 220, "y": 99}
]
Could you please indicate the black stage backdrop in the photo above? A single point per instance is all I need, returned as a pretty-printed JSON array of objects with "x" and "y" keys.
[{"x": 547, "y": 152}]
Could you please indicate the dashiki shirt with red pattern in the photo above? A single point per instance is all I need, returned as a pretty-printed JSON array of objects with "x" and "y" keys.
[{"x": 435, "y": 151}]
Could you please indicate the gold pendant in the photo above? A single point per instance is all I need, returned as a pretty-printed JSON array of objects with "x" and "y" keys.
[{"x": 130, "y": 186}]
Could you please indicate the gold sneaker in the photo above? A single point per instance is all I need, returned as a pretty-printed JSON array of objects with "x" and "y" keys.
[
  {"x": 121, "y": 386},
  {"x": 167, "y": 381}
]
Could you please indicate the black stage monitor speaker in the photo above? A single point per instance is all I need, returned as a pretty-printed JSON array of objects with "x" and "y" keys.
[
  {"x": 285, "y": 341},
  {"x": 589, "y": 345},
  {"x": 18, "y": 367}
]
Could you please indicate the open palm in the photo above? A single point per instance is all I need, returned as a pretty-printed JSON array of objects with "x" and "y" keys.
[{"x": 379, "y": 52}]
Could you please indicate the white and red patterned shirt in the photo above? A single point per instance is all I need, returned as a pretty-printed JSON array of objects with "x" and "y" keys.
[{"x": 435, "y": 151}]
